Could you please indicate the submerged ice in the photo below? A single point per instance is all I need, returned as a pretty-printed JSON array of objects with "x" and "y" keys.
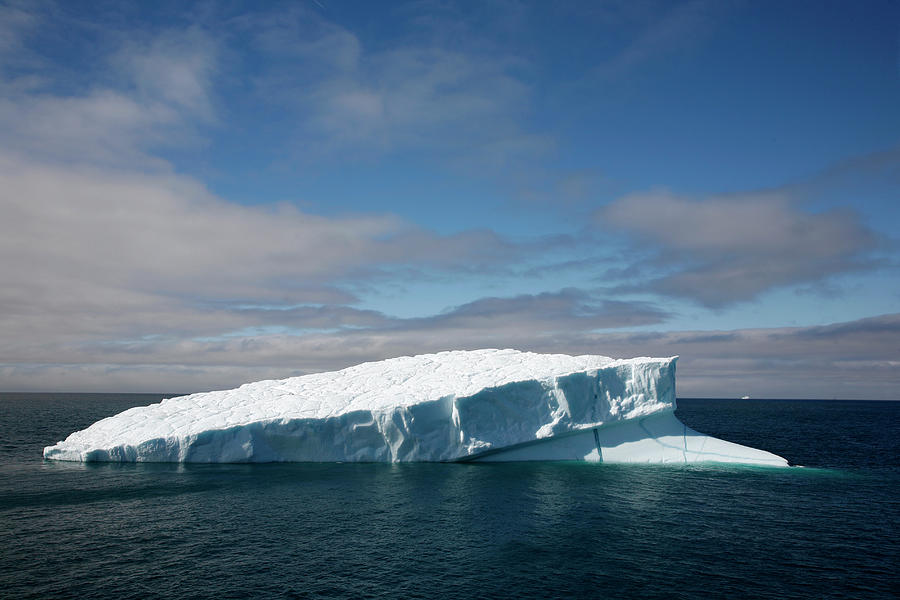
[{"x": 483, "y": 405}]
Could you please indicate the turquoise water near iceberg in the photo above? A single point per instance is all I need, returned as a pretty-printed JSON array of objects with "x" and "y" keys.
[{"x": 529, "y": 530}]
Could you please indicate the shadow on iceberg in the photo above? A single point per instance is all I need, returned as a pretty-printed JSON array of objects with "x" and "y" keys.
[{"x": 658, "y": 438}]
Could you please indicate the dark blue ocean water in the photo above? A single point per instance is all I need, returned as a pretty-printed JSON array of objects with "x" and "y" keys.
[{"x": 530, "y": 530}]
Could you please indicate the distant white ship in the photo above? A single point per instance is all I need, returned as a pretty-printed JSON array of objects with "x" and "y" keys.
[{"x": 745, "y": 397}]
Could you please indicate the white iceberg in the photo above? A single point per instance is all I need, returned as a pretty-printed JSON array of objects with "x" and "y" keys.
[{"x": 482, "y": 405}]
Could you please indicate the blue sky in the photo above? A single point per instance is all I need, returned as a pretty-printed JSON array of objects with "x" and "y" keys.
[{"x": 195, "y": 195}]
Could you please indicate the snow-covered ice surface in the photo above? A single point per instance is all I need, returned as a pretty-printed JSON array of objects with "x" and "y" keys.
[{"x": 482, "y": 405}]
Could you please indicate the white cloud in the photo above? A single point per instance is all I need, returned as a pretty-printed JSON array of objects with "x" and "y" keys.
[
  {"x": 541, "y": 314},
  {"x": 464, "y": 103},
  {"x": 166, "y": 230},
  {"x": 147, "y": 93},
  {"x": 15, "y": 22},
  {"x": 667, "y": 30},
  {"x": 174, "y": 68},
  {"x": 728, "y": 249}
]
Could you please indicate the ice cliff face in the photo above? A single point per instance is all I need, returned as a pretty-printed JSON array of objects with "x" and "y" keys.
[{"x": 477, "y": 405}]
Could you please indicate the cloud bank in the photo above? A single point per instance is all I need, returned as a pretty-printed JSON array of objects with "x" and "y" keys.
[{"x": 854, "y": 360}]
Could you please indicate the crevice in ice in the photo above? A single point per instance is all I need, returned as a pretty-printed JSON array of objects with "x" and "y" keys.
[{"x": 597, "y": 441}]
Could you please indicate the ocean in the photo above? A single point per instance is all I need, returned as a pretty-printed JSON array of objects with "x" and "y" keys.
[{"x": 527, "y": 530}]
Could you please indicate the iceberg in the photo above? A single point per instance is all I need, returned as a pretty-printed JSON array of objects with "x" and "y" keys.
[{"x": 482, "y": 405}]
